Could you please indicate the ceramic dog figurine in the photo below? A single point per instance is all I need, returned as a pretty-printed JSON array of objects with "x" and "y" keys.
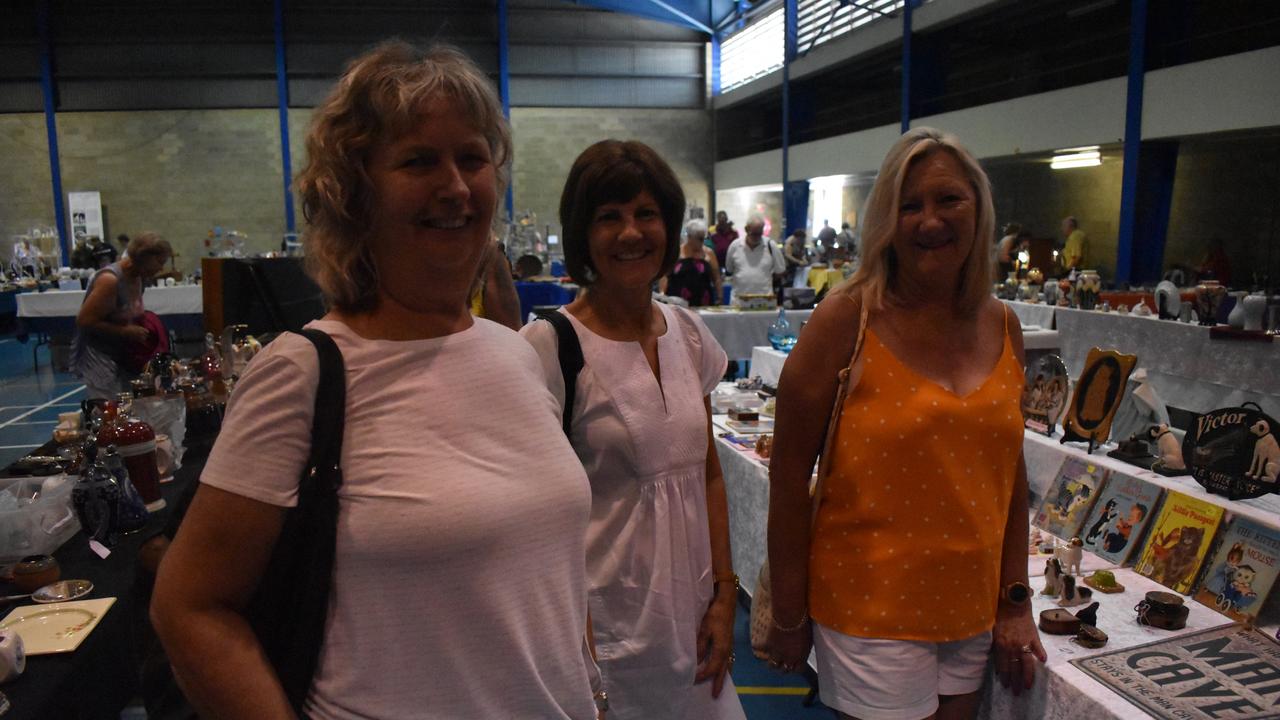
[
  {"x": 1052, "y": 577},
  {"x": 1168, "y": 448},
  {"x": 1071, "y": 595},
  {"x": 1070, "y": 556}
]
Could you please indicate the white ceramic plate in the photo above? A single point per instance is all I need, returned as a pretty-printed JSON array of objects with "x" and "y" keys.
[{"x": 57, "y": 627}]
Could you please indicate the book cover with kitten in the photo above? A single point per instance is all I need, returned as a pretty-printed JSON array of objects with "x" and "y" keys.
[{"x": 1238, "y": 579}]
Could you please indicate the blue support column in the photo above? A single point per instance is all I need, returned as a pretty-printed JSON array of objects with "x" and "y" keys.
[
  {"x": 906, "y": 64},
  {"x": 1125, "y": 245},
  {"x": 282, "y": 99},
  {"x": 788, "y": 54},
  {"x": 51, "y": 126},
  {"x": 504, "y": 89},
  {"x": 715, "y": 64}
]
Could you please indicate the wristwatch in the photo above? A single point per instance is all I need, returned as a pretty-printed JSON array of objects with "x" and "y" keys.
[
  {"x": 1016, "y": 593},
  {"x": 602, "y": 701}
]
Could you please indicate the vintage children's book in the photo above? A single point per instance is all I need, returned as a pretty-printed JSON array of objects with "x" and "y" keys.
[
  {"x": 1237, "y": 580},
  {"x": 1123, "y": 510},
  {"x": 1178, "y": 541},
  {"x": 1070, "y": 497}
]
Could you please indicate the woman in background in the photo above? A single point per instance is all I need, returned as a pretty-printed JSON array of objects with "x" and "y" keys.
[
  {"x": 662, "y": 592},
  {"x": 109, "y": 324},
  {"x": 917, "y": 565},
  {"x": 695, "y": 277}
]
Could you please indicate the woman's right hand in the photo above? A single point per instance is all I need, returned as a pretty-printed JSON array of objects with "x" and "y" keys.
[
  {"x": 789, "y": 651},
  {"x": 136, "y": 334}
]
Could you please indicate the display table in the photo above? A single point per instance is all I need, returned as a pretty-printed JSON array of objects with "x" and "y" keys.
[
  {"x": 1187, "y": 368},
  {"x": 1061, "y": 691},
  {"x": 161, "y": 300},
  {"x": 1037, "y": 314},
  {"x": 767, "y": 363},
  {"x": 739, "y": 331},
  {"x": 100, "y": 677}
]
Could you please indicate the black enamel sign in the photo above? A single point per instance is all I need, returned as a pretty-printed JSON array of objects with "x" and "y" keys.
[{"x": 1233, "y": 452}]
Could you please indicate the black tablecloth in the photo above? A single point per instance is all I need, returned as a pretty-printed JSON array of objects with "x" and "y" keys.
[{"x": 100, "y": 677}]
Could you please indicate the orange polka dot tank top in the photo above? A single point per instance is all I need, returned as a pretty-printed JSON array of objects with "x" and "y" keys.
[{"x": 909, "y": 532}]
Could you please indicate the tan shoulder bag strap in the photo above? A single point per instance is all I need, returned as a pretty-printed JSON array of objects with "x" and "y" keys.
[{"x": 849, "y": 378}]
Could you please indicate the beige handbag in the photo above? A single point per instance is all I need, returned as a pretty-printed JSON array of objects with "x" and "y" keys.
[{"x": 762, "y": 598}]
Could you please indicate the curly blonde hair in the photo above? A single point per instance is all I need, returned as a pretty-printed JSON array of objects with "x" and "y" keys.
[
  {"x": 380, "y": 97},
  {"x": 876, "y": 278}
]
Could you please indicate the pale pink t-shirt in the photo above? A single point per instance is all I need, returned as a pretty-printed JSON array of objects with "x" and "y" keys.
[{"x": 459, "y": 588}]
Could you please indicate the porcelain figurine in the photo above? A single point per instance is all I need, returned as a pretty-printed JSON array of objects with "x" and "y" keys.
[
  {"x": 96, "y": 500},
  {"x": 1122, "y": 309},
  {"x": 1070, "y": 555},
  {"x": 1169, "y": 450},
  {"x": 1073, "y": 595},
  {"x": 1265, "y": 464},
  {"x": 1141, "y": 310},
  {"x": 1052, "y": 578},
  {"x": 1255, "y": 307}
]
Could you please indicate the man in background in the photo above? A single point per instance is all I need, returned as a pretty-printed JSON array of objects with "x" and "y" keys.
[
  {"x": 753, "y": 261},
  {"x": 1076, "y": 248}
]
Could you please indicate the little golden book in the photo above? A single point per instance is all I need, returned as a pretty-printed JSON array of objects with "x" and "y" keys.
[{"x": 1179, "y": 541}]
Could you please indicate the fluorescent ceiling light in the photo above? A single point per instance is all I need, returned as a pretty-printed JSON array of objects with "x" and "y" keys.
[
  {"x": 1083, "y": 148},
  {"x": 1076, "y": 163}
]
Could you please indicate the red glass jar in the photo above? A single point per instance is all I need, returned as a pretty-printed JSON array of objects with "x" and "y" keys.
[{"x": 135, "y": 440}]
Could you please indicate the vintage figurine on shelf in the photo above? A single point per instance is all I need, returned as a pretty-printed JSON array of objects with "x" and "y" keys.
[
  {"x": 1070, "y": 555},
  {"x": 1052, "y": 577},
  {"x": 1170, "y": 458},
  {"x": 1073, "y": 594},
  {"x": 764, "y": 446},
  {"x": 1233, "y": 451},
  {"x": 1265, "y": 464}
]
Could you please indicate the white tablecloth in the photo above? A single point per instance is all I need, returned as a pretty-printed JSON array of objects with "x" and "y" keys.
[
  {"x": 739, "y": 331},
  {"x": 176, "y": 300},
  {"x": 1185, "y": 367},
  {"x": 1033, "y": 313},
  {"x": 767, "y": 363}
]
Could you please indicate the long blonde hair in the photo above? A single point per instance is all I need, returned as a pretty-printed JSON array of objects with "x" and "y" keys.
[{"x": 876, "y": 276}]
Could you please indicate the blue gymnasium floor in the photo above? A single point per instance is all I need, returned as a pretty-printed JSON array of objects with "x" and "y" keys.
[{"x": 30, "y": 401}]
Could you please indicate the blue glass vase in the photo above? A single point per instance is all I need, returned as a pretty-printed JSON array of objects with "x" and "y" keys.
[{"x": 781, "y": 336}]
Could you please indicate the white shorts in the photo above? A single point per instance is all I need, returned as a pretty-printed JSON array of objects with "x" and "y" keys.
[{"x": 877, "y": 679}]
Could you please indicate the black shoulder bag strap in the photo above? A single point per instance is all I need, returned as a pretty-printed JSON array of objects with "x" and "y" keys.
[
  {"x": 291, "y": 604},
  {"x": 571, "y": 361}
]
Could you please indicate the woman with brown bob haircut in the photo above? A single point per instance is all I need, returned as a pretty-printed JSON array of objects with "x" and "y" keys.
[
  {"x": 458, "y": 579},
  {"x": 661, "y": 588}
]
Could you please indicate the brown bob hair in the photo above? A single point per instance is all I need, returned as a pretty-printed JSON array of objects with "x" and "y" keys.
[
  {"x": 379, "y": 98},
  {"x": 615, "y": 171}
]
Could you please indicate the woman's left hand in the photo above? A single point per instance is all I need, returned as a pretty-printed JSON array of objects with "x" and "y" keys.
[
  {"x": 1017, "y": 650},
  {"x": 715, "y": 642}
]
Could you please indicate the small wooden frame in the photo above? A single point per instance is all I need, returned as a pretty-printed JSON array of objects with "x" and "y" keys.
[{"x": 1098, "y": 393}]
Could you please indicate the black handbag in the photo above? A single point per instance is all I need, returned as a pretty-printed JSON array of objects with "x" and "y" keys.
[{"x": 289, "y": 608}]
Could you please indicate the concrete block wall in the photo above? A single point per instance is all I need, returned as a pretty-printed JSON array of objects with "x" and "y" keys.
[
  {"x": 180, "y": 173},
  {"x": 548, "y": 140}
]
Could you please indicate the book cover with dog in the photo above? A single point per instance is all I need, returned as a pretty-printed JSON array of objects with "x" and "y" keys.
[
  {"x": 1239, "y": 578},
  {"x": 1070, "y": 497},
  {"x": 1179, "y": 541},
  {"x": 1124, "y": 509}
]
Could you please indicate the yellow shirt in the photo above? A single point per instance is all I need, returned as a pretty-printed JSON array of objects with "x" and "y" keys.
[
  {"x": 910, "y": 529},
  {"x": 1077, "y": 246}
]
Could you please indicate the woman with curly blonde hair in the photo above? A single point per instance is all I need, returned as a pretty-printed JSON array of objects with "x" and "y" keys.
[{"x": 458, "y": 584}]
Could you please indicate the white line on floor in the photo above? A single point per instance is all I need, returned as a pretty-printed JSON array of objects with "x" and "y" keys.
[
  {"x": 18, "y": 447},
  {"x": 37, "y": 422},
  {"x": 22, "y": 407},
  {"x": 38, "y": 408},
  {"x": 7, "y": 341}
]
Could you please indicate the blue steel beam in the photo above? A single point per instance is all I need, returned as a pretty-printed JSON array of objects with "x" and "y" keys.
[
  {"x": 907, "y": 7},
  {"x": 504, "y": 89},
  {"x": 1132, "y": 141},
  {"x": 701, "y": 15},
  {"x": 282, "y": 99},
  {"x": 51, "y": 126}
]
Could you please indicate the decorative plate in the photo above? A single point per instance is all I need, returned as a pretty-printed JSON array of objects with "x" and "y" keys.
[
  {"x": 1045, "y": 394},
  {"x": 56, "y": 628}
]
